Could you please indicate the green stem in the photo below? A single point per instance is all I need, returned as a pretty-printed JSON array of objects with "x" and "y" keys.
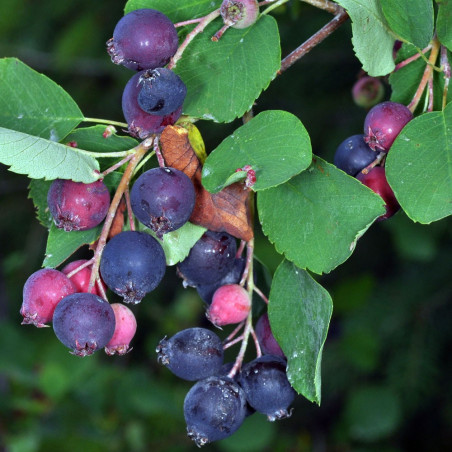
[
  {"x": 273, "y": 6},
  {"x": 106, "y": 121}
]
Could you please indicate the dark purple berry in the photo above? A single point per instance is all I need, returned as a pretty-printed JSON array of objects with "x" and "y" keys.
[
  {"x": 214, "y": 409},
  {"x": 132, "y": 264},
  {"x": 368, "y": 91},
  {"x": 143, "y": 39},
  {"x": 206, "y": 291},
  {"x": 211, "y": 258},
  {"x": 383, "y": 123},
  {"x": 163, "y": 199},
  {"x": 76, "y": 206},
  {"x": 142, "y": 124},
  {"x": 239, "y": 13},
  {"x": 162, "y": 92},
  {"x": 353, "y": 154},
  {"x": 192, "y": 354},
  {"x": 84, "y": 323},
  {"x": 375, "y": 179},
  {"x": 266, "y": 386},
  {"x": 267, "y": 341},
  {"x": 43, "y": 290}
]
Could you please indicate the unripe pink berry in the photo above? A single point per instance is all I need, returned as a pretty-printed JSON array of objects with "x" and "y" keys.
[
  {"x": 82, "y": 277},
  {"x": 239, "y": 13},
  {"x": 368, "y": 91},
  {"x": 126, "y": 326},
  {"x": 43, "y": 290},
  {"x": 230, "y": 304},
  {"x": 267, "y": 341}
]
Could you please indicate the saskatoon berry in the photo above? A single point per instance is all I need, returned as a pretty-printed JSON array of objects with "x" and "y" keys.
[
  {"x": 132, "y": 264},
  {"x": 266, "y": 386},
  {"x": 267, "y": 341},
  {"x": 162, "y": 92},
  {"x": 142, "y": 124},
  {"x": 375, "y": 179},
  {"x": 383, "y": 123},
  {"x": 125, "y": 329},
  {"x": 84, "y": 323},
  {"x": 76, "y": 206},
  {"x": 214, "y": 409},
  {"x": 163, "y": 199},
  {"x": 353, "y": 154},
  {"x": 206, "y": 291},
  {"x": 43, "y": 290},
  {"x": 368, "y": 91},
  {"x": 211, "y": 258},
  {"x": 82, "y": 277},
  {"x": 239, "y": 13},
  {"x": 143, "y": 39},
  {"x": 230, "y": 304},
  {"x": 192, "y": 354}
]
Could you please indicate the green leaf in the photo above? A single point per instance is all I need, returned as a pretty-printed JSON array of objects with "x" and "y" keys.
[
  {"x": 300, "y": 310},
  {"x": 412, "y": 20},
  {"x": 32, "y": 103},
  {"x": 177, "y": 11},
  {"x": 242, "y": 62},
  {"x": 38, "y": 193},
  {"x": 275, "y": 144},
  {"x": 91, "y": 139},
  {"x": 371, "y": 39},
  {"x": 444, "y": 22},
  {"x": 316, "y": 218},
  {"x": 62, "y": 244},
  {"x": 39, "y": 158},
  {"x": 419, "y": 166}
]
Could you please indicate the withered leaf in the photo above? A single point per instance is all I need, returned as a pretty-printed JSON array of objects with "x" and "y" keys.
[{"x": 227, "y": 210}]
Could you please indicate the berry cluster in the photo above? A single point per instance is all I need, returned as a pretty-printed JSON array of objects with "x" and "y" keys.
[{"x": 363, "y": 155}]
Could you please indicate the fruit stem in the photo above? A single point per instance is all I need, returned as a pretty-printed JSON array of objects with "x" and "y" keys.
[
  {"x": 188, "y": 22},
  {"x": 129, "y": 210},
  {"x": 232, "y": 342},
  {"x": 216, "y": 37},
  {"x": 140, "y": 151},
  {"x": 256, "y": 343},
  {"x": 158, "y": 153},
  {"x": 411, "y": 59},
  {"x": 314, "y": 40},
  {"x": 445, "y": 65},
  {"x": 101, "y": 289},
  {"x": 116, "y": 165},
  {"x": 80, "y": 267},
  {"x": 236, "y": 330},
  {"x": 189, "y": 38},
  {"x": 261, "y": 294},
  {"x": 241, "y": 354},
  {"x": 274, "y": 6},
  {"x": 428, "y": 72},
  {"x": 106, "y": 121}
]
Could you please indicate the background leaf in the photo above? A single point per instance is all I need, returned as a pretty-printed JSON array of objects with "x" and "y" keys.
[
  {"x": 371, "y": 39},
  {"x": 38, "y": 193},
  {"x": 242, "y": 61},
  {"x": 412, "y": 21},
  {"x": 419, "y": 166},
  {"x": 32, "y": 103},
  {"x": 316, "y": 217},
  {"x": 275, "y": 144},
  {"x": 300, "y": 310},
  {"x": 444, "y": 23},
  {"x": 39, "y": 158}
]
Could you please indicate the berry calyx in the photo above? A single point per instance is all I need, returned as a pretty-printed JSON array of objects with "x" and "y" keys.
[
  {"x": 383, "y": 123},
  {"x": 125, "y": 329},
  {"x": 239, "y": 13}
]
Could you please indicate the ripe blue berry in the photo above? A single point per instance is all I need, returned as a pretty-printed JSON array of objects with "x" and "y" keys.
[
  {"x": 266, "y": 386},
  {"x": 211, "y": 258},
  {"x": 163, "y": 199},
  {"x": 214, "y": 409},
  {"x": 84, "y": 323},
  {"x": 162, "y": 92},
  {"x": 143, "y": 39},
  {"x": 132, "y": 264},
  {"x": 353, "y": 154},
  {"x": 192, "y": 354}
]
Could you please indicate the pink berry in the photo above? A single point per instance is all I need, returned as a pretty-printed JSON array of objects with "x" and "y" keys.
[
  {"x": 230, "y": 304},
  {"x": 375, "y": 179},
  {"x": 368, "y": 91},
  {"x": 239, "y": 13},
  {"x": 267, "y": 341},
  {"x": 43, "y": 290},
  {"x": 82, "y": 277},
  {"x": 126, "y": 326}
]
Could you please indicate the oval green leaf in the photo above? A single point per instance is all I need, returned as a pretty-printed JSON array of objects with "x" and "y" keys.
[
  {"x": 274, "y": 143},
  {"x": 299, "y": 311},
  {"x": 316, "y": 218},
  {"x": 443, "y": 23},
  {"x": 419, "y": 166}
]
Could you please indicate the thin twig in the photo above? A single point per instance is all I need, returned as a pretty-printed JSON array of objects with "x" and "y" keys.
[
  {"x": 129, "y": 209},
  {"x": 116, "y": 165},
  {"x": 236, "y": 330},
  {"x": 261, "y": 294},
  {"x": 188, "y": 22},
  {"x": 411, "y": 59},
  {"x": 430, "y": 93},
  {"x": 256, "y": 343},
  {"x": 376, "y": 162},
  {"x": 233, "y": 342},
  {"x": 326, "y": 5},
  {"x": 447, "y": 74},
  {"x": 100, "y": 288},
  {"x": 314, "y": 40},
  {"x": 80, "y": 267}
]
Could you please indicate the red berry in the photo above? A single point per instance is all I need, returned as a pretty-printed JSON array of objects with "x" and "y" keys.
[
  {"x": 265, "y": 337},
  {"x": 375, "y": 179},
  {"x": 230, "y": 304},
  {"x": 125, "y": 329},
  {"x": 76, "y": 206},
  {"x": 82, "y": 277},
  {"x": 368, "y": 91},
  {"x": 43, "y": 290}
]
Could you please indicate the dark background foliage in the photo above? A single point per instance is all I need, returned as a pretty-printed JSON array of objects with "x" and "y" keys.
[{"x": 386, "y": 367}]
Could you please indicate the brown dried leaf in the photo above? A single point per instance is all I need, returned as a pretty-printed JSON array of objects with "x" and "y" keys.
[{"x": 227, "y": 210}]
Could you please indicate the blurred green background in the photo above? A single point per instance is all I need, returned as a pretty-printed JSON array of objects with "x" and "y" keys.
[{"x": 386, "y": 364}]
